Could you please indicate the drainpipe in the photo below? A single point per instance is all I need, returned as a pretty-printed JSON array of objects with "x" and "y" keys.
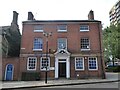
[{"x": 100, "y": 40}]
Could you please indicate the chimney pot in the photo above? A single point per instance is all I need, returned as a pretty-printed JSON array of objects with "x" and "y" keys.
[
  {"x": 91, "y": 15},
  {"x": 30, "y": 16},
  {"x": 15, "y": 17}
]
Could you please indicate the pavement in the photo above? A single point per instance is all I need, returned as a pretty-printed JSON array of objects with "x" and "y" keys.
[{"x": 5, "y": 85}]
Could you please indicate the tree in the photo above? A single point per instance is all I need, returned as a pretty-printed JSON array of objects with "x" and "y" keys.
[{"x": 111, "y": 37}]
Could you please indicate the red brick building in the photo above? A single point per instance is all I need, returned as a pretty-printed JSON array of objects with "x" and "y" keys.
[{"x": 73, "y": 48}]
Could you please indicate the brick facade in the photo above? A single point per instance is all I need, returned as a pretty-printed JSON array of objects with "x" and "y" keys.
[
  {"x": 70, "y": 62},
  {"x": 73, "y": 36}
]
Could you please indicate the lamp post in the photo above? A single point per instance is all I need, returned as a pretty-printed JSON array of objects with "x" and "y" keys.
[{"x": 46, "y": 35}]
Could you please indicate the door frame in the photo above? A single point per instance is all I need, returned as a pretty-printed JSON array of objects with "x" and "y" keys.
[
  {"x": 6, "y": 71},
  {"x": 57, "y": 61}
]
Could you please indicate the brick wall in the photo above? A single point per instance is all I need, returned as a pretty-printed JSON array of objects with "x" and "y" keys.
[{"x": 14, "y": 62}]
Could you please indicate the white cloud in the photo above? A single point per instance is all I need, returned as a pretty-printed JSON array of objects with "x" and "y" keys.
[{"x": 55, "y": 10}]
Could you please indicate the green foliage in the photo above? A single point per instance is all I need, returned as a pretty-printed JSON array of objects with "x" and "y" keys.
[
  {"x": 113, "y": 69},
  {"x": 30, "y": 76},
  {"x": 111, "y": 39}
]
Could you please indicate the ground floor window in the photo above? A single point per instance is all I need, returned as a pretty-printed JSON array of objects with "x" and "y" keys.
[
  {"x": 92, "y": 63},
  {"x": 45, "y": 61},
  {"x": 31, "y": 63},
  {"x": 79, "y": 63}
]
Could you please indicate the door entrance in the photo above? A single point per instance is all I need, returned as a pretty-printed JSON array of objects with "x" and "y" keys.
[
  {"x": 62, "y": 69},
  {"x": 9, "y": 72}
]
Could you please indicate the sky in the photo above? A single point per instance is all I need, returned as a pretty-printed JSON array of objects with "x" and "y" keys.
[{"x": 55, "y": 10}]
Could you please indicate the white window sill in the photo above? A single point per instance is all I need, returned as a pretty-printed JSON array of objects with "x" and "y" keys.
[
  {"x": 62, "y": 30},
  {"x": 79, "y": 69},
  {"x": 84, "y": 30},
  {"x": 38, "y": 31},
  {"x": 45, "y": 69},
  {"x": 85, "y": 49},
  {"x": 93, "y": 69},
  {"x": 31, "y": 69},
  {"x": 37, "y": 49}
]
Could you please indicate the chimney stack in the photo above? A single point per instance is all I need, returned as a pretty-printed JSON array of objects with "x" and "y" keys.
[
  {"x": 91, "y": 15},
  {"x": 15, "y": 17},
  {"x": 30, "y": 16}
]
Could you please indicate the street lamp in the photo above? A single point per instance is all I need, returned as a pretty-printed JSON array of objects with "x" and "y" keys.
[{"x": 46, "y": 35}]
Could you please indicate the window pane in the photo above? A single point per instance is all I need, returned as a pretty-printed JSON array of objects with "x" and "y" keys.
[
  {"x": 31, "y": 63},
  {"x": 84, "y": 43},
  {"x": 79, "y": 63},
  {"x": 62, "y": 28},
  {"x": 45, "y": 62},
  {"x": 39, "y": 27},
  {"x": 92, "y": 63},
  {"x": 84, "y": 28},
  {"x": 38, "y": 43},
  {"x": 62, "y": 43}
]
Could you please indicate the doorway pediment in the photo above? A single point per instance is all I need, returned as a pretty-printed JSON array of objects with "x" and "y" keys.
[{"x": 62, "y": 52}]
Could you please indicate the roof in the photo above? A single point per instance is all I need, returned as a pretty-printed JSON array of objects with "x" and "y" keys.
[{"x": 65, "y": 21}]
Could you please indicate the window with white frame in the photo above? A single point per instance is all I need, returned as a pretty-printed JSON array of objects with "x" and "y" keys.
[
  {"x": 38, "y": 28},
  {"x": 62, "y": 43},
  {"x": 92, "y": 63},
  {"x": 31, "y": 63},
  {"x": 38, "y": 44},
  {"x": 62, "y": 28},
  {"x": 85, "y": 44},
  {"x": 45, "y": 62},
  {"x": 84, "y": 28},
  {"x": 79, "y": 63}
]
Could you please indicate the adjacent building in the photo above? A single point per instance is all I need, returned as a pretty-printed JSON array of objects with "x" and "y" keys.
[
  {"x": 114, "y": 13},
  {"x": 10, "y": 49},
  {"x": 71, "y": 49}
]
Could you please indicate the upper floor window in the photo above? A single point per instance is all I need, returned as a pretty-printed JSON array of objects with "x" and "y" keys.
[
  {"x": 79, "y": 63},
  {"x": 92, "y": 63},
  {"x": 45, "y": 62},
  {"x": 62, "y": 43},
  {"x": 31, "y": 63},
  {"x": 62, "y": 28},
  {"x": 84, "y": 28},
  {"x": 85, "y": 44},
  {"x": 38, "y": 28},
  {"x": 38, "y": 44}
]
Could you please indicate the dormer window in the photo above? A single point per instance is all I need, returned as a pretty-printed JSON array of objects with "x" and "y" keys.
[{"x": 62, "y": 28}]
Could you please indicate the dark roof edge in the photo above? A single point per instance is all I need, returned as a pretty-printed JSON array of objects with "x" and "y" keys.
[{"x": 37, "y": 21}]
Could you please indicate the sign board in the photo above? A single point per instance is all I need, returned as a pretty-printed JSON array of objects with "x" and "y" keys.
[{"x": 52, "y": 68}]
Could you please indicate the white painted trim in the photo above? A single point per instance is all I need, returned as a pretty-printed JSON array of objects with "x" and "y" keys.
[
  {"x": 36, "y": 30},
  {"x": 37, "y": 49},
  {"x": 62, "y": 30},
  {"x": 62, "y": 61},
  {"x": 56, "y": 67},
  {"x": 83, "y": 64},
  {"x": 6, "y": 70},
  {"x": 96, "y": 64},
  {"x": 68, "y": 68},
  {"x": 85, "y": 49},
  {"x": 28, "y": 64}
]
